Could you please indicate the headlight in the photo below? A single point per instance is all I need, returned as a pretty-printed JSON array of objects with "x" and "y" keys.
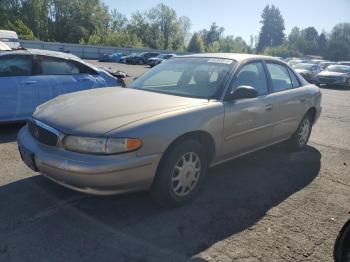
[{"x": 104, "y": 146}]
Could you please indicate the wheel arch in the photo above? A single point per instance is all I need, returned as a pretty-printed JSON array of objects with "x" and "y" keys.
[
  {"x": 312, "y": 112},
  {"x": 203, "y": 137}
]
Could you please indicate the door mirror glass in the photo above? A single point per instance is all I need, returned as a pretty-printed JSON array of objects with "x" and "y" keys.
[{"x": 242, "y": 92}]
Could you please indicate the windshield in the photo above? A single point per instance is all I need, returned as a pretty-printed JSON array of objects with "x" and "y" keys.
[
  {"x": 190, "y": 77},
  {"x": 303, "y": 66},
  {"x": 338, "y": 69}
]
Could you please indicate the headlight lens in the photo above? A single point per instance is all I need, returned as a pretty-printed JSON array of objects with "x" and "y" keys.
[{"x": 106, "y": 146}]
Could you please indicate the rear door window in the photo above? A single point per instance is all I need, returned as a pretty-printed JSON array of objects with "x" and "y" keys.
[
  {"x": 56, "y": 66},
  {"x": 15, "y": 65},
  {"x": 280, "y": 77}
]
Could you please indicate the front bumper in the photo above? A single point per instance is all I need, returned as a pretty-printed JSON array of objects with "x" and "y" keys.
[
  {"x": 330, "y": 81},
  {"x": 93, "y": 174}
]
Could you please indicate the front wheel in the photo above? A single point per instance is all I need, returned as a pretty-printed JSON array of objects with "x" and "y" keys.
[
  {"x": 300, "y": 138},
  {"x": 180, "y": 174}
]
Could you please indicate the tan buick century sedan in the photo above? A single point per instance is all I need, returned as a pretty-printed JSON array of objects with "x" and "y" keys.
[{"x": 172, "y": 123}]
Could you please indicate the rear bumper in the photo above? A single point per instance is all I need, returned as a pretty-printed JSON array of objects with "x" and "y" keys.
[{"x": 93, "y": 174}]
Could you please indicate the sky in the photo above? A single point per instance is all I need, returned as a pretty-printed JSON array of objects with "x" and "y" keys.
[{"x": 241, "y": 17}]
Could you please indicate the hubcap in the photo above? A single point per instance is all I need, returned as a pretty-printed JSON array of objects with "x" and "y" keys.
[
  {"x": 186, "y": 173},
  {"x": 304, "y": 132}
]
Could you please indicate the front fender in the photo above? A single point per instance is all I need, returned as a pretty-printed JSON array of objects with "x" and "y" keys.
[{"x": 158, "y": 132}]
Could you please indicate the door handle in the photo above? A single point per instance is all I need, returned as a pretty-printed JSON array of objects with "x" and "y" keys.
[
  {"x": 268, "y": 108},
  {"x": 302, "y": 100},
  {"x": 30, "y": 82}
]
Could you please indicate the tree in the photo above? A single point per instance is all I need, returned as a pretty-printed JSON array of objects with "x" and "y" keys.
[
  {"x": 118, "y": 21},
  {"x": 309, "y": 34},
  {"x": 74, "y": 20},
  {"x": 196, "y": 44},
  {"x": 230, "y": 44},
  {"x": 322, "y": 43},
  {"x": 35, "y": 16},
  {"x": 22, "y": 30},
  {"x": 9, "y": 11},
  {"x": 282, "y": 51},
  {"x": 294, "y": 35},
  {"x": 271, "y": 33},
  {"x": 160, "y": 28},
  {"x": 339, "y": 43},
  {"x": 212, "y": 35}
]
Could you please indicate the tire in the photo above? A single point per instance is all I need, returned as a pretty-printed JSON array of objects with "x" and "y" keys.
[
  {"x": 140, "y": 62},
  {"x": 301, "y": 136},
  {"x": 186, "y": 164},
  {"x": 341, "y": 249},
  {"x": 347, "y": 84}
]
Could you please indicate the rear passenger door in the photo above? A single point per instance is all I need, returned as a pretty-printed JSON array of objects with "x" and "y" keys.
[
  {"x": 288, "y": 100},
  {"x": 57, "y": 76},
  {"x": 18, "y": 88}
]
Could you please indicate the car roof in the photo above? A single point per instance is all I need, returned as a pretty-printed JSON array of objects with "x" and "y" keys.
[
  {"x": 8, "y": 34},
  {"x": 309, "y": 64},
  {"x": 340, "y": 65},
  {"x": 234, "y": 56},
  {"x": 42, "y": 52}
]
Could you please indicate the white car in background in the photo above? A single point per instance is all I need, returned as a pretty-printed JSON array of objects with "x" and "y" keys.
[
  {"x": 4, "y": 47},
  {"x": 10, "y": 38}
]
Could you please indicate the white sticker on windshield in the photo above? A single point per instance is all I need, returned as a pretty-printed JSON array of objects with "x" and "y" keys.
[{"x": 220, "y": 61}]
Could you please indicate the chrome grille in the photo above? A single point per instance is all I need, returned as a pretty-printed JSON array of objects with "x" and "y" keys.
[{"x": 42, "y": 134}]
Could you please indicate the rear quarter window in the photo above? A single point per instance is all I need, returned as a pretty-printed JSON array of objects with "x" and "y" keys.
[{"x": 295, "y": 80}]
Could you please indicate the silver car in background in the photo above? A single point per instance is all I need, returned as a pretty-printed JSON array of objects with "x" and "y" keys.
[
  {"x": 308, "y": 71},
  {"x": 334, "y": 75},
  {"x": 171, "y": 124}
]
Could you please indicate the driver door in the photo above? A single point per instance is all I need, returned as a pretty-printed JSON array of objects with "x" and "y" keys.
[{"x": 247, "y": 123}]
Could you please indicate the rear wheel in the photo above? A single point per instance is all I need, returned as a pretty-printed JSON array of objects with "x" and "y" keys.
[
  {"x": 301, "y": 136},
  {"x": 341, "y": 251},
  {"x": 180, "y": 174}
]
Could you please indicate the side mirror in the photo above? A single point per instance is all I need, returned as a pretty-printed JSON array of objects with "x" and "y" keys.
[{"x": 242, "y": 92}]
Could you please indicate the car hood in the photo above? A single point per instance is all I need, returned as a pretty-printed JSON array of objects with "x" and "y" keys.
[
  {"x": 327, "y": 73},
  {"x": 98, "y": 111}
]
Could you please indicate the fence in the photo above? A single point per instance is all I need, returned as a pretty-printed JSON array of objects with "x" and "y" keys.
[{"x": 84, "y": 51}]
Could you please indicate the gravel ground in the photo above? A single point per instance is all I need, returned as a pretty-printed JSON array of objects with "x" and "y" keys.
[{"x": 271, "y": 205}]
